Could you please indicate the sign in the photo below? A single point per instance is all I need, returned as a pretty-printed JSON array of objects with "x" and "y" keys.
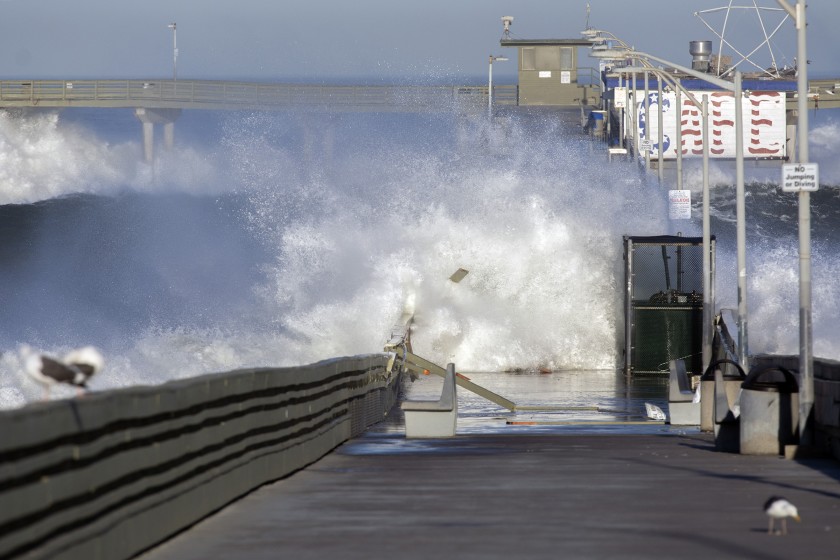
[
  {"x": 679, "y": 205},
  {"x": 545, "y": 74},
  {"x": 763, "y": 115},
  {"x": 645, "y": 144},
  {"x": 798, "y": 177},
  {"x": 565, "y": 77},
  {"x": 619, "y": 97}
]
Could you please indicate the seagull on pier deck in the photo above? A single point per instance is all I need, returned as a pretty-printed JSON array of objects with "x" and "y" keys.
[
  {"x": 779, "y": 508},
  {"x": 76, "y": 368}
]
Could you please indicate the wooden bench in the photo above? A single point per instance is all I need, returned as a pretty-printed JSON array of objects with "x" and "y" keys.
[{"x": 434, "y": 419}]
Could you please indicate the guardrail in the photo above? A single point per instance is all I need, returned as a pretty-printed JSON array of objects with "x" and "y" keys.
[
  {"x": 109, "y": 475},
  {"x": 204, "y": 94}
]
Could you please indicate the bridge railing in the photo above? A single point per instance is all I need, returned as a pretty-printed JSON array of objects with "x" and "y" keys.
[{"x": 223, "y": 94}]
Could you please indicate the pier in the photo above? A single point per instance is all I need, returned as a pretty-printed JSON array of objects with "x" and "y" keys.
[
  {"x": 537, "y": 495},
  {"x": 162, "y": 101},
  {"x": 315, "y": 461}
]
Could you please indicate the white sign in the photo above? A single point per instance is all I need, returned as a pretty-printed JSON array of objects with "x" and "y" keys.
[
  {"x": 565, "y": 77},
  {"x": 620, "y": 97},
  {"x": 645, "y": 144},
  {"x": 800, "y": 177},
  {"x": 679, "y": 205},
  {"x": 545, "y": 74},
  {"x": 763, "y": 116}
]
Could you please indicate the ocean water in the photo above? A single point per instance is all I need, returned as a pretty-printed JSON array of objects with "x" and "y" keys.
[{"x": 268, "y": 239}]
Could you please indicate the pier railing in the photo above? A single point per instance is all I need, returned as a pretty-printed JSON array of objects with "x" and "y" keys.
[
  {"x": 110, "y": 474},
  {"x": 207, "y": 94}
]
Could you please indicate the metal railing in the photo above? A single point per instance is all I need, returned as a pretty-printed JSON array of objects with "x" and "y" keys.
[{"x": 206, "y": 94}]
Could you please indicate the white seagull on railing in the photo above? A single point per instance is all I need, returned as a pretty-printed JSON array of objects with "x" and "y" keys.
[{"x": 75, "y": 369}]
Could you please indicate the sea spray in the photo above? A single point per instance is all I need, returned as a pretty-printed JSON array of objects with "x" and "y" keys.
[{"x": 291, "y": 239}]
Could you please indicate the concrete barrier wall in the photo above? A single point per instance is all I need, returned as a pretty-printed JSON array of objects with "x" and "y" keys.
[{"x": 110, "y": 474}]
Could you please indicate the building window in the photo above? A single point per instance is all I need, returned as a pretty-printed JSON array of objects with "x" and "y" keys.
[
  {"x": 567, "y": 58},
  {"x": 529, "y": 58},
  {"x": 548, "y": 58}
]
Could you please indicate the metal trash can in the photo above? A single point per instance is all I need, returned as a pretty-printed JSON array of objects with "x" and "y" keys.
[
  {"x": 733, "y": 376},
  {"x": 769, "y": 411}
]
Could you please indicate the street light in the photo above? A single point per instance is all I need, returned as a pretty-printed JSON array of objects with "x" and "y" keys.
[
  {"x": 490, "y": 83},
  {"x": 735, "y": 87},
  {"x": 806, "y": 344},
  {"x": 174, "y": 27}
]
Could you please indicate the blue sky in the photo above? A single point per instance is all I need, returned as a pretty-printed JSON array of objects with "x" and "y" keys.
[{"x": 362, "y": 40}]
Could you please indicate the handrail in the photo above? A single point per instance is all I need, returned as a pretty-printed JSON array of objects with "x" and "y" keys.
[{"x": 213, "y": 94}]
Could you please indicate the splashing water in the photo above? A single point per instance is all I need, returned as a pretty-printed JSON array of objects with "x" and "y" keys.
[{"x": 295, "y": 238}]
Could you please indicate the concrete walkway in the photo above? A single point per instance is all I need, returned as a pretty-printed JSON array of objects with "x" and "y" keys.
[{"x": 546, "y": 494}]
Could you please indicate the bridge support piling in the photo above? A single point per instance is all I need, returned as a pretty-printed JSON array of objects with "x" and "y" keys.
[
  {"x": 168, "y": 135},
  {"x": 148, "y": 142},
  {"x": 150, "y": 117}
]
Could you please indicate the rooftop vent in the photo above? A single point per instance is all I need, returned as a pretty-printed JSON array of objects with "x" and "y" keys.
[{"x": 701, "y": 53}]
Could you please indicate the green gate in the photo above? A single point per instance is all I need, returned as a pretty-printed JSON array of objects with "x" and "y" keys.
[{"x": 664, "y": 303}]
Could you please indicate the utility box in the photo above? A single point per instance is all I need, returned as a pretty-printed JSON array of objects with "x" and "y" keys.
[{"x": 664, "y": 303}]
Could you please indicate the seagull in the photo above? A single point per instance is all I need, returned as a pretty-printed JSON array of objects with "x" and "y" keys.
[
  {"x": 76, "y": 368},
  {"x": 779, "y": 508}
]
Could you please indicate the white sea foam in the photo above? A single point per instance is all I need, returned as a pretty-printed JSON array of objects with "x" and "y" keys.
[
  {"x": 42, "y": 158},
  {"x": 356, "y": 226}
]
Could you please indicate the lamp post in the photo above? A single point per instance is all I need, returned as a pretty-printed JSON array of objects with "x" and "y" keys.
[
  {"x": 490, "y": 83},
  {"x": 174, "y": 27},
  {"x": 806, "y": 344},
  {"x": 735, "y": 87}
]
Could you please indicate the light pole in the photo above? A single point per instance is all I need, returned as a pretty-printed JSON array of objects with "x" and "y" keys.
[
  {"x": 806, "y": 344},
  {"x": 174, "y": 27},
  {"x": 490, "y": 83},
  {"x": 734, "y": 87}
]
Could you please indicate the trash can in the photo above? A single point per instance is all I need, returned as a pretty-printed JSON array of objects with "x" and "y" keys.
[
  {"x": 733, "y": 376},
  {"x": 769, "y": 411}
]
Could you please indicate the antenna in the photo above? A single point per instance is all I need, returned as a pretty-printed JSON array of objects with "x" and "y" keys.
[{"x": 507, "y": 21}]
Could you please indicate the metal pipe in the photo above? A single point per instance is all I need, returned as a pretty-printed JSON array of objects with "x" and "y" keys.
[
  {"x": 624, "y": 116},
  {"x": 806, "y": 344},
  {"x": 661, "y": 133},
  {"x": 635, "y": 119},
  {"x": 647, "y": 119},
  {"x": 490, "y": 89},
  {"x": 679, "y": 139},
  {"x": 490, "y": 83},
  {"x": 628, "y": 308},
  {"x": 708, "y": 279},
  {"x": 174, "y": 28},
  {"x": 621, "y": 84},
  {"x": 740, "y": 212}
]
